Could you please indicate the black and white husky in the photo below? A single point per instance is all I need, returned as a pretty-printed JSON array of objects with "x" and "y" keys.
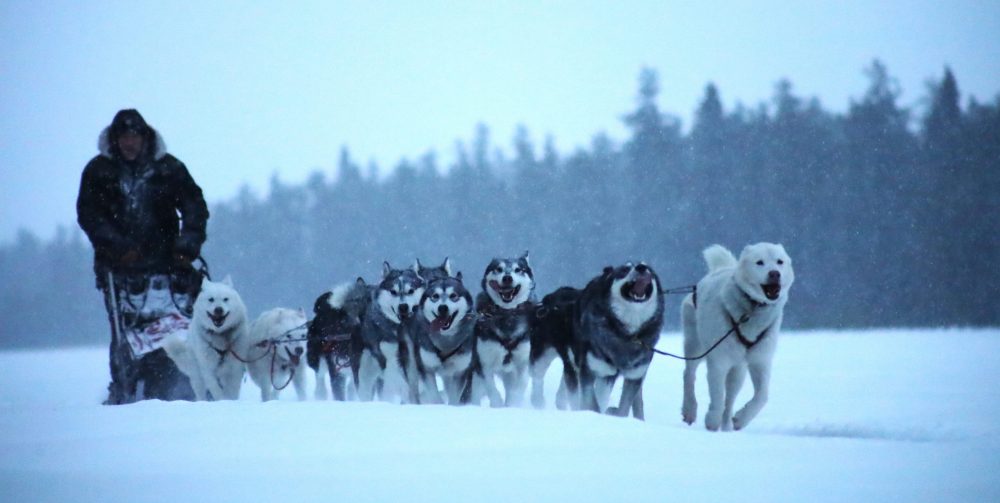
[
  {"x": 552, "y": 336},
  {"x": 506, "y": 307},
  {"x": 616, "y": 324},
  {"x": 443, "y": 332},
  {"x": 338, "y": 316},
  {"x": 379, "y": 356}
]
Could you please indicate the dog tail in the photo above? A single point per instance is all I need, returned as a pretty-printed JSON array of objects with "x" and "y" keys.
[
  {"x": 718, "y": 257},
  {"x": 177, "y": 349}
]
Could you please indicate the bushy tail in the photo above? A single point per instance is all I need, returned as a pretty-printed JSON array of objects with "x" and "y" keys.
[
  {"x": 177, "y": 349},
  {"x": 718, "y": 257}
]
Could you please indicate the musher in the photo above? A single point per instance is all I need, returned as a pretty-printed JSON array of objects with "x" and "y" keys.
[{"x": 145, "y": 216}]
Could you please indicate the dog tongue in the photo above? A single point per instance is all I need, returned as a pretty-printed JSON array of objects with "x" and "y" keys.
[
  {"x": 439, "y": 324},
  {"x": 640, "y": 285}
]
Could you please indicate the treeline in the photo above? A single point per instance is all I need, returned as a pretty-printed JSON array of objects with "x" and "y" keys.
[{"x": 889, "y": 214}]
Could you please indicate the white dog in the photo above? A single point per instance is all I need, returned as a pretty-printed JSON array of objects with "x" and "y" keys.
[
  {"x": 744, "y": 299},
  {"x": 217, "y": 334},
  {"x": 277, "y": 348}
]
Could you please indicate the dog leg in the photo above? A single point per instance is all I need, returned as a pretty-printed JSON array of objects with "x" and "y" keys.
[
  {"x": 760, "y": 376},
  {"x": 602, "y": 391},
  {"x": 338, "y": 385},
  {"x": 299, "y": 381},
  {"x": 689, "y": 407},
  {"x": 431, "y": 390},
  {"x": 368, "y": 374},
  {"x": 490, "y": 385},
  {"x": 630, "y": 389},
  {"x": 587, "y": 399},
  {"x": 514, "y": 386},
  {"x": 321, "y": 371},
  {"x": 734, "y": 381},
  {"x": 539, "y": 367},
  {"x": 638, "y": 408},
  {"x": 568, "y": 396},
  {"x": 716, "y": 394},
  {"x": 265, "y": 391}
]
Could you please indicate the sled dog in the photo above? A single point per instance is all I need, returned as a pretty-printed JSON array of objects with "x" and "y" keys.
[
  {"x": 615, "y": 326},
  {"x": 747, "y": 297},
  {"x": 217, "y": 334},
  {"x": 443, "y": 333},
  {"x": 379, "y": 356},
  {"x": 506, "y": 307},
  {"x": 338, "y": 317},
  {"x": 552, "y": 336},
  {"x": 276, "y": 344}
]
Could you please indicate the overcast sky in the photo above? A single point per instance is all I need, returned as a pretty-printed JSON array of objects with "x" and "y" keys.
[{"x": 241, "y": 90}]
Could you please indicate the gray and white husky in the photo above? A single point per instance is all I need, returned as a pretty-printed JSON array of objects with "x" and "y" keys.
[
  {"x": 379, "y": 356},
  {"x": 339, "y": 314},
  {"x": 616, "y": 324},
  {"x": 217, "y": 334},
  {"x": 506, "y": 308},
  {"x": 443, "y": 333},
  {"x": 282, "y": 331},
  {"x": 745, "y": 299}
]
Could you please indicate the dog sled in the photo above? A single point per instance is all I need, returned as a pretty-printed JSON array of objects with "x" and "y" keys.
[{"x": 144, "y": 309}]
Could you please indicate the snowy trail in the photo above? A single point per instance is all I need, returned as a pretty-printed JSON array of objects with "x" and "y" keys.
[{"x": 902, "y": 415}]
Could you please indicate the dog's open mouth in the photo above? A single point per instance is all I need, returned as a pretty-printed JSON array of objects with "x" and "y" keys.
[
  {"x": 639, "y": 290},
  {"x": 219, "y": 319},
  {"x": 771, "y": 290},
  {"x": 442, "y": 323},
  {"x": 507, "y": 294},
  {"x": 293, "y": 357}
]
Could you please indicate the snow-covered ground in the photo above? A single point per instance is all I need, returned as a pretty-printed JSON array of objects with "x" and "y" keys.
[{"x": 879, "y": 415}]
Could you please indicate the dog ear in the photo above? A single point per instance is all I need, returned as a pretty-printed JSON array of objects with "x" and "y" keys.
[
  {"x": 360, "y": 281},
  {"x": 458, "y": 275},
  {"x": 416, "y": 267},
  {"x": 205, "y": 282},
  {"x": 525, "y": 257},
  {"x": 228, "y": 281},
  {"x": 386, "y": 268},
  {"x": 608, "y": 270},
  {"x": 447, "y": 266}
]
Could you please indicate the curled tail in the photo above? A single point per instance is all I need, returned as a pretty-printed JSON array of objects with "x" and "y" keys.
[{"x": 718, "y": 257}]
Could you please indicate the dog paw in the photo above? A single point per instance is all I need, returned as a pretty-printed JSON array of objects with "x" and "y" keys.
[
  {"x": 738, "y": 423},
  {"x": 712, "y": 423},
  {"x": 689, "y": 416}
]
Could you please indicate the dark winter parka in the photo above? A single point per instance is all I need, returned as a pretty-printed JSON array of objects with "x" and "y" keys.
[{"x": 150, "y": 205}]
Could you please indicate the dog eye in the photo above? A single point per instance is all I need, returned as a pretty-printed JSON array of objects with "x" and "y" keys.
[
  {"x": 781, "y": 262},
  {"x": 518, "y": 270},
  {"x": 394, "y": 293},
  {"x": 211, "y": 299},
  {"x": 760, "y": 262},
  {"x": 453, "y": 297},
  {"x": 225, "y": 299},
  {"x": 435, "y": 297},
  {"x": 410, "y": 292}
]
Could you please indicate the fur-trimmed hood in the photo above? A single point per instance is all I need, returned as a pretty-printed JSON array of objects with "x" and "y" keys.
[{"x": 131, "y": 120}]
